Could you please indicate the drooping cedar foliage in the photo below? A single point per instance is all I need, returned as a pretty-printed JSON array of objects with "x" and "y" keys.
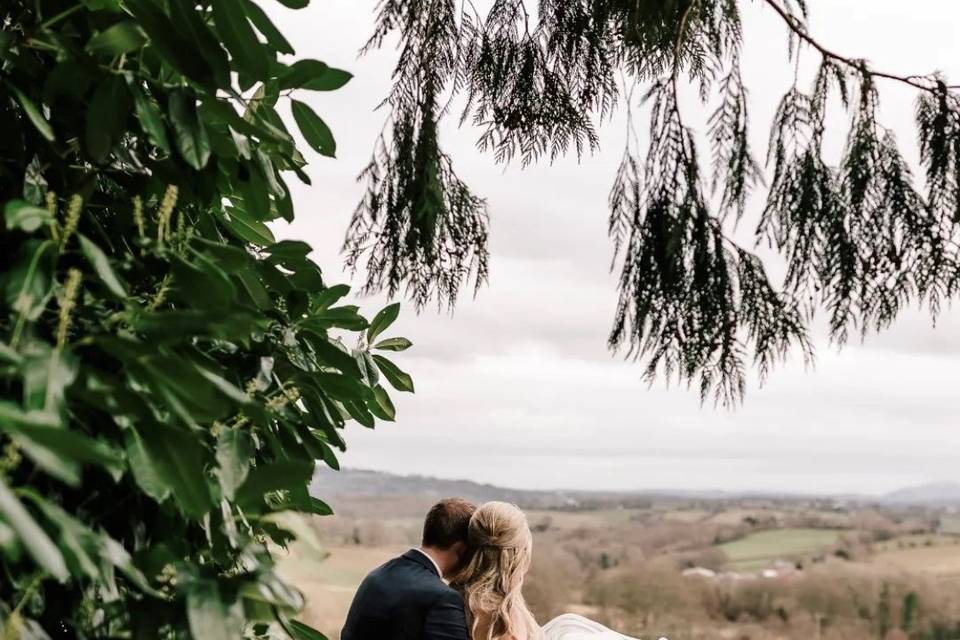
[{"x": 861, "y": 239}]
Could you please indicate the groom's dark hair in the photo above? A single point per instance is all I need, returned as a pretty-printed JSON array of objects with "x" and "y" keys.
[{"x": 447, "y": 523}]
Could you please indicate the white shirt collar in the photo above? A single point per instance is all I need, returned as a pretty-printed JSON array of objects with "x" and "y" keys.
[{"x": 432, "y": 561}]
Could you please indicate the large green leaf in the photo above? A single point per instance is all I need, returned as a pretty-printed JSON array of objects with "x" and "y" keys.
[
  {"x": 34, "y": 114},
  {"x": 239, "y": 37},
  {"x": 213, "y": 614},
  {"x": 330, "y": 296},
  {"x": 301, "y": 72},
  {"x": 31, "y": 535},
  {"x": 254, "y": 125},
  {"x": 90, "y": 553},
  {"x": 8, "y": 540},
  {"x": 165, "y": 37},
  {"x": 315, "y": 131},
  {"x": 382, "y": 321},
  {"x": 369, "y": 370},
  {"x": 101, "y": 265},
  {"x": 322, "y": 413},
  {"x": 202, "y": 284},
  {"x": 360, "y": 412},
  {"x": 300, "y": 631},
  {"x": 223, "y": 385},
  {"x": 10, "y": 355},
  {"x": 234, "y": 452},
  {"x": 104, "y": 5},
  {"x": 395, "y": 376},
  {"x": 79, "y": 545},
  {"x": 289, "y": 250},
  {"x": 382, "y": 405},
  {"x": 122, "y": 37},
  {"x": 189, "y": 132},
  {"x": 393, "y": 344},
  {"x": 334, "y": 354},
  {"x": 306, "y": 274},
  {"x": 106, "y": 116},
  {"x": 169, "y": 327},
  {"x": 269, "y": 589},
  {"x": 150, "y": 117},
  {"x": 114, "y": 553},
  {"x": 275, "y": 182},
  {"x": 29, "y": 282},
  {"x": 265, "y": 26},
  {"x": 182, "y": 384},
  {"x": 47, "y": 373},
  {"x": 330, "y": 80},
  {"x": 145, "y": 469},
  {"x": 274, "y": 476},
  {"x": 15, "y": 419},
  {"x": 34, "y": 432},
  {"x": 24, "y": 216},
  {"x": 167, "y": 461},
  {"x": 313, "y": 443},
  {"x": 246, "y": 227},
  {"x": 340, "y": 387},
  {"x": 71, "y": 445},
  {"x": 255, "y": 288},
  {"x": 252, "y": 185},
  {"x": 299, "y": 499},
  {"x": 57, "y": 450},
  {"x": 6, "y": 42},
  {"x": 194, "y": 30}
]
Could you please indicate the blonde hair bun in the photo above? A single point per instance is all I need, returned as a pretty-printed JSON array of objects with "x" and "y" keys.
[
  {"x": 499, "y": 525},
  {"x": 492, "y": 581}
]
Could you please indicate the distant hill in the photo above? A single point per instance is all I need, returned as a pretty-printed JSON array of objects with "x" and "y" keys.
[
  {"x": 377, "y": 484},
  {"x": 359, "y": 482},
  {"x": 933, "y": 493}
]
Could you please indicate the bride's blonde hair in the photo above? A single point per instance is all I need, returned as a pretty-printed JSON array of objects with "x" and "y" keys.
[{"x": 492, "y": 580}]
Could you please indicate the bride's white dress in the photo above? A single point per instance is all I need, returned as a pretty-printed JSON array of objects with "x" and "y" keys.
[{"x": 570, "y": 626}]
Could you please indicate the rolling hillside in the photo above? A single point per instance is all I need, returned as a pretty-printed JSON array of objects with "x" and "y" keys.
[{"x": 365, "y": 483}]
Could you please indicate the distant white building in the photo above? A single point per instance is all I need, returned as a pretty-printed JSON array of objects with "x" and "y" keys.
[{"x": 699, "y": 572}]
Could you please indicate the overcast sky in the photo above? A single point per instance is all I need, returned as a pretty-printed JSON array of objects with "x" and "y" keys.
[{"x": 517, "y": 388}]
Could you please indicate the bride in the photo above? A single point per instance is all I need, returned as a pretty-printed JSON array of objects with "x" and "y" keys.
[{"x": 491, "y": 583}]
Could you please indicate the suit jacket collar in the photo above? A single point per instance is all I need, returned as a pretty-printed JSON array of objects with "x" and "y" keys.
[{"x": 421, "y": 558}]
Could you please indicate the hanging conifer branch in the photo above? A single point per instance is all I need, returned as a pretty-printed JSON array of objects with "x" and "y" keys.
[
  {"x": 922, "y": 82},
  {"x": 861, "y": 240}
]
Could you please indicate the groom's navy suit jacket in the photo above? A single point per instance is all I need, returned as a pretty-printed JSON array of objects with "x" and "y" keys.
[{"x": 406, "y": 599}]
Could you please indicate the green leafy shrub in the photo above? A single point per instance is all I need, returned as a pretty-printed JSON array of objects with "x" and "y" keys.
[{"x": 169, "y": 371}]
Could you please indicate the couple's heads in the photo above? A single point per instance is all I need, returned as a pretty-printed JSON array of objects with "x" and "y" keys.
[{"x": 472, "y": 542}]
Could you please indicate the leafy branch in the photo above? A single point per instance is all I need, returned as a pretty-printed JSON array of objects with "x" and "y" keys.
[{"x": 170, "y": 373}]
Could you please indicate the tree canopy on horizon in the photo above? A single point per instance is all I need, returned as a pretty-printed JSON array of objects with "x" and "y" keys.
[{"x": 861, "y": 240}]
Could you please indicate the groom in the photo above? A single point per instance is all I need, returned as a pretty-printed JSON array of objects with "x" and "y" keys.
[{"x": 406, "y": 598}]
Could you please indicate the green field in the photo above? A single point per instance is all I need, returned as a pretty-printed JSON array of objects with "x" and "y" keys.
[
  {"x": 941, "y": 557},
  {"x": 758, "y": 550},
  {"x": 950, "y": 524}
]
